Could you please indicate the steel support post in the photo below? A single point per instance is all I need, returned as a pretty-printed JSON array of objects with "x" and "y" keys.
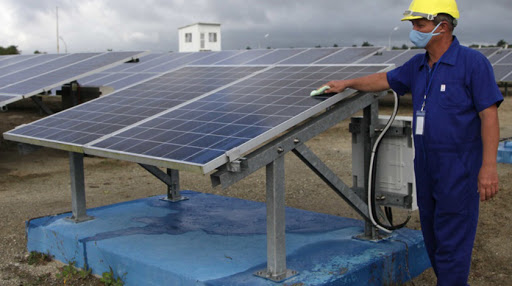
[
  {"x": 276, "y": 244},
  {"x": 173, "y": 189},
  {"x": 369, "y": 123},
  {"x": 78, "y": 206},
  {"x": 39, "y": 102},
  {"x": 171, "y": 179}
]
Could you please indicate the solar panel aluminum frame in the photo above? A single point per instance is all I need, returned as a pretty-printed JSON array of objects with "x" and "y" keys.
[
  {"x": 48, "y": 88},
  {"x": 234, "y": 153}
]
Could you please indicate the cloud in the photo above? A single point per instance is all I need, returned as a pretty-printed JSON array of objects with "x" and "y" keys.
[{"x": 98, "y": 25}]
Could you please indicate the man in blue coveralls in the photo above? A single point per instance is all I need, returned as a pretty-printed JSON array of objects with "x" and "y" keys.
[{"x": 456, "y": 133}]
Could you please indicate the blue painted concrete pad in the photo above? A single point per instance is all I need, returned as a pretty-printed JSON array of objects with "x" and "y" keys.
[
  {"x": 505, "y": 152},
  {"x": 216, "y": 240}
]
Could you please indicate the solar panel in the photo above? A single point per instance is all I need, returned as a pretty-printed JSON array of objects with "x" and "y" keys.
[
  {"x": 310, "y": 56},
  {"x": 217, "y": 57},
  {"x": 501, "y": 71},
  {"x": 506, "y": 59},
  {"x": 275, "y": 57},
  {"x": 20, "y": 76},
  {"x": 61, "y": 75},
  {"x": 193, "y": 117},
  {"x": 508, "y": 78},
  {"x": 9, "y": 60},
  {"x": 349, "y": 55},
  {"x": 498, "y": 56},
  {"x": 94, "y": 119},
  {"x": 29, "y": 63},
  {"x": 240, "y": 116},
  {"x": 488, "y": 51},
  {"x": 383, "y": 57},
  {"x": 243, "y": 57}
]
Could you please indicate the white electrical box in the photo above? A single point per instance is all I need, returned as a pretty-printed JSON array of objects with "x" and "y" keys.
[{"x": 395, "y": 184}]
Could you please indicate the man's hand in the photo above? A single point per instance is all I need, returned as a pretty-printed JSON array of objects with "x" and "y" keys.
[
  {"x": 487, "y": 182},
  {"x": 336, "y": 86}
]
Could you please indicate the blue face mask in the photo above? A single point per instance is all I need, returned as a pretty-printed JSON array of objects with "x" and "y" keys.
[{"x": 420, "y": 39}]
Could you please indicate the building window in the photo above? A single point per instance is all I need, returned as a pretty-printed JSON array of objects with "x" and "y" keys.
[
  {"x": 188, "y": 37},
  {"x": 212, "y": 37}
]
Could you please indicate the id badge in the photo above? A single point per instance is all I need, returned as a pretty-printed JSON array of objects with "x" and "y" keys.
[{"x": 420, "y": 122}]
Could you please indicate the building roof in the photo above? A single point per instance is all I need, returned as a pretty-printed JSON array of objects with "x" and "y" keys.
[{"x": 200, "y": 24}]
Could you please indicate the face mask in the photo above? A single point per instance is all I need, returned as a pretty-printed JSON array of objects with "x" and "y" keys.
[{"x": 420, "y": 39}]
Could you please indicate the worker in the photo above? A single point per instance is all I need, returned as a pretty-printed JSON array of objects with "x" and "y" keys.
[{"x": 456, "y": 133}]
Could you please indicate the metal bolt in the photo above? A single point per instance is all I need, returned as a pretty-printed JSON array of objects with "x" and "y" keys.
[
  {"x": 296, "y": 140},
  {"x": 280, "y": 149}
]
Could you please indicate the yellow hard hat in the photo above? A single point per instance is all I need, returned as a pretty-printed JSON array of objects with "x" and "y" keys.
[{"x": 428, "y": 9}]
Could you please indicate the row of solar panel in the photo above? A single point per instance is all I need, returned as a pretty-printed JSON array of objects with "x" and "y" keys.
[
  {"x": 190, "y": 118},
  {"x": 24, "y": 76},
  {"x": 123, "y": 75}
]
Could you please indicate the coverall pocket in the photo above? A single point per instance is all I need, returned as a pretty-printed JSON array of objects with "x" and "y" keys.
[{"x": 453, "y": 95}]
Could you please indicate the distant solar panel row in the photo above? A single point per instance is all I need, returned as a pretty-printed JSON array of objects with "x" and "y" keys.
[
  {"x": 24, "y": 76},
  {"x": 161, "y": 63},
  {"x": 192, "y": 117}
]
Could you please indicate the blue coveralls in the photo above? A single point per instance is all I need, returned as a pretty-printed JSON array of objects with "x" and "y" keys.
[{"x": 448, "y": 155}]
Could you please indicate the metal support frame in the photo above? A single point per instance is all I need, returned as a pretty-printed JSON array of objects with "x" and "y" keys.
[
  {"x": 171, "y": 179},
  {"x": 368, "y": 126},
  {"x": 276, "y": 244},
  {"x": 39, "y": 102},
  {"x": 506, "y": 89},
  {"x": 271, "y": 156},
  {"x": 78, "y": 205}
]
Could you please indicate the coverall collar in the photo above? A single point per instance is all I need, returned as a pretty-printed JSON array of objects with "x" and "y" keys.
[{"x": 449, "y": 57}]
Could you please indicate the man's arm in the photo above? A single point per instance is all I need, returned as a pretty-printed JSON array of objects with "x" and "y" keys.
[
  {"x": 488, "y": 176},
  {"x": 373, "y": 82}
]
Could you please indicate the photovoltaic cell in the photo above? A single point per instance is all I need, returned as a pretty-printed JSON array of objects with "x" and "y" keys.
[
  {"x": 152, "y": 58},
  {"x": 216, "y": 57},
  {"x": 275, "y": 57},
  {"x": 404, "y": 57},
  {"x": 243, "y": 57},
  {"x": 9, "y": 60},
  {"x": 383, "y": 57},
  {"x": 501, "y": 71},
  {"x": 27, "y": 75},
  {"x": 129, "y": 80},
  {"x": 92, "y": 120},
  {"x": 506, "y": 59},
  {"x": 309, "y": 56},
  {"x": 203, "y": 130},
  {"x": 29, "y": 63},
  {"x": 496, "y": 58},
  {"x": 488, "y": 51},
  {"x": 349, "y": 55},
  {"x": 55, "y": 77},
  {"x": 189, "y": 58}
]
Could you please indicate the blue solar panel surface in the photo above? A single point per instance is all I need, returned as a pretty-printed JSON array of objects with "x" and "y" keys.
[
  {"x": 309, "y": 56},
  {"x": 275, "y": 57},
  {"x": 34, "y": 72},
  {"x": 205, "y": 129},
  {"x": 62, "y": 74},
  {"x": 34, "y": 61},
  {"x": 90, "y": 121},
  {"x": 349, "y": 55}
]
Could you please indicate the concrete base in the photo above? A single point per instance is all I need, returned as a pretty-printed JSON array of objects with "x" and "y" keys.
[
  {"x": 505, "y": 152},
  {"x": 216, "y": 240}
]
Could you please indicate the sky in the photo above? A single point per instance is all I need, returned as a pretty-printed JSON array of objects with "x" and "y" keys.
[{"x": 127, "y": 25}]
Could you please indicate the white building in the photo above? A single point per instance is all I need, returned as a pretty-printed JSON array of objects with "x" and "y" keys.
[{"x": 199, "y": 37}]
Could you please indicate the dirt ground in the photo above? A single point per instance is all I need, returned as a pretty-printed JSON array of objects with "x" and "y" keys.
[{"x": 37, "y": 184}]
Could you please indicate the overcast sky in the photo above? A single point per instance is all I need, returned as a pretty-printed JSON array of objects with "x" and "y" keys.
[{"x": 98, "y": 25}]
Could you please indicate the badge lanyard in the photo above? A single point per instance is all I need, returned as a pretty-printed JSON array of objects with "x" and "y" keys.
[{"x": 420, "y": 114}]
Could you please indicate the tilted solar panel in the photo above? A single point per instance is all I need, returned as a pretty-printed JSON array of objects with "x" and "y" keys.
[
  {"x": 30, "y": 63},
  {"x": 201, "y": 133},
  {"x": 275, "y": 57},
  {"x": 192, "y": 118},
  {"x": 501, "y": 71},
  {"x": 349, "y": 55},
  {"x": 310, "y": 56},
  {"x": 383, "y": 57},
  {"x": 94, "y": 119},
  {"x": 61, "y": 75}
]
